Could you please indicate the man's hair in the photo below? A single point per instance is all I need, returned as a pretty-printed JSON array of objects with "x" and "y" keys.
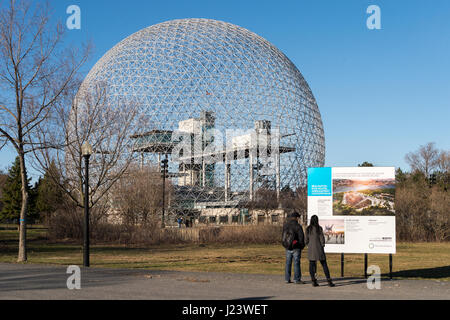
[{"x": 294, "y": 214}]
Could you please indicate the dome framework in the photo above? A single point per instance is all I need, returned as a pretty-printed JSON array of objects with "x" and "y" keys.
[{"x": 191, "y": 76}]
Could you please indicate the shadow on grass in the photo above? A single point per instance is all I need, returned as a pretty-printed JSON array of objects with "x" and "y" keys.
[
  {"x": 9, "y": 246},
  {"x": 45, "y": 246},
  {"x": 426, "y": 273},
  {"x": 33, "y": 248}
]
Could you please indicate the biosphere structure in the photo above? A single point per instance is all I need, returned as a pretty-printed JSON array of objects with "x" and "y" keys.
[{"x": 195, "y": 75}]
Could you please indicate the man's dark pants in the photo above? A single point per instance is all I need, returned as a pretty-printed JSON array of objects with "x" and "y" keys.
[{"x": 296, "y": 254}]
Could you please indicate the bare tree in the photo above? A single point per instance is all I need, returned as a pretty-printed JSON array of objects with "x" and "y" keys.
[
  {"x": 425, "y": 159},
  {"x": 107, "y": 123},
  {"x": 137, "y": 196},
  {"x": 265, "y": 202},
  {"x": 443, "y": 161},
  {"x": 411, "y": 207},
  {"x": 35, "y": 71},
  {"x": 440, "y": 206}
]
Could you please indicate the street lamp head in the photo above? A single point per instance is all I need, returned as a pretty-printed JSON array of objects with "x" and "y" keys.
[{"x": 86, "y": 149}]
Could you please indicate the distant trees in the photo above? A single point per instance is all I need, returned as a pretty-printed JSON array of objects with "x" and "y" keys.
[
  {"x": 3, "y": 177},
  {"x": 443, "y": 161},
  {"x": 422, "y": 210},
  {"x": 264, "y": 202},
  {"x": 299, "y": 202},
  {"x": 49, "y": 195},
  {"x": 433, "y": 163},
  {"x": 136, "y": 198},
  {"x": 365, "y": 164},
  {"x": 45, "y": 197},
  {"x": 426, "y": 159},
  {"x": 422, "y": 200},
  {"x": 11, "y": 195}
]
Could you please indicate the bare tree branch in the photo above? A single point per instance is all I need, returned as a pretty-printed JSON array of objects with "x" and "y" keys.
[{"x": 425, "y": 159}]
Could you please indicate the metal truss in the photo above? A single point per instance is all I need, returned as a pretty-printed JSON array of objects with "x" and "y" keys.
[{"x": 181, "y": 69}]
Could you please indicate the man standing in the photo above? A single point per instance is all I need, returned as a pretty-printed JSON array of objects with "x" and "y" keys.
[{"x": 293, "y": 241}]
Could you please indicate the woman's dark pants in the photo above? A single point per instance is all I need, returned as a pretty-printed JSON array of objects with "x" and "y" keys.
[{"x": 313, "y": 268}]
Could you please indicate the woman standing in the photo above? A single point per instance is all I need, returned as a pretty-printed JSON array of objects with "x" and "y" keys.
[{"x": 316, "y": 243}]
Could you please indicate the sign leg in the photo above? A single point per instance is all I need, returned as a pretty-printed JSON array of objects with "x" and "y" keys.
[
  {"x": 365, "y": 265},
  {"x": 390, "y": 266}
]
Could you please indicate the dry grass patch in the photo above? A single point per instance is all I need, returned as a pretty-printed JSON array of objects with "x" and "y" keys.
[{"x": 413, "y": 260}]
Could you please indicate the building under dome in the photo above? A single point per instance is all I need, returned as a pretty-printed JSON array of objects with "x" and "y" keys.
[{"x": 192, "y": 76}]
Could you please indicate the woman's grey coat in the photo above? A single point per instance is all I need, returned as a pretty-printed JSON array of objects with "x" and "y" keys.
[{"x": 316, "y": 244}]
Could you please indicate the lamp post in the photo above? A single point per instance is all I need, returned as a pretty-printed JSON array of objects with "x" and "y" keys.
[
  {"x": 163, "y": 171},
  {"x": 86, "y": 151}
]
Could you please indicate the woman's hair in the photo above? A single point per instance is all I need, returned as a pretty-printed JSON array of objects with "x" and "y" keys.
[{"x": 314, "y": 223}]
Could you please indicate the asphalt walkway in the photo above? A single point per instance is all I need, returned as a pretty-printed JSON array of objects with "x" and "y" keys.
[{"x": 32, "y": 281}]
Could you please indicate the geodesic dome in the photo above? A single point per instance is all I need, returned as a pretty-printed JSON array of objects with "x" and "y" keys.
[{"x": 192, "y": 69}]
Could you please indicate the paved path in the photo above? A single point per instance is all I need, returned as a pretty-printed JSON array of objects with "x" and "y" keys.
[{"x": 34, "y": 281}]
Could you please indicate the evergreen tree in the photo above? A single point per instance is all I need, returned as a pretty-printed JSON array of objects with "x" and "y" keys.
[
  {"x": 3, "y": 177},
  {"x": 48, "y": 194},
  {"x": 33, "y": 212},
  {"x": 365, "y": 164},
  {"x": 12, "y": 194},
  {"x": 400, "y": 176}
]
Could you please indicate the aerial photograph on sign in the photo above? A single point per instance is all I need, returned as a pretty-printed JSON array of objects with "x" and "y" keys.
[{"x": 363, "y": 197}]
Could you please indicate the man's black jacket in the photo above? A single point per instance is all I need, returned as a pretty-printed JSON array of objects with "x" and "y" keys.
[{"x": 296, "y": 228}]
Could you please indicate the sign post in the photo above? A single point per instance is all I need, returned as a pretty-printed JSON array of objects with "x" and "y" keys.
[
  {"x": 390, "y": 266},
  {"x": 365, "y": 265}
]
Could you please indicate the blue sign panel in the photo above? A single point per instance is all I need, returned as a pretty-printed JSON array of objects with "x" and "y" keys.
[{"x": 319, "y": 182}]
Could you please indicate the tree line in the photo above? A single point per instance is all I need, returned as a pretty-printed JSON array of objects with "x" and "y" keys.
[
  {"x": 44, "y": 196},
  {"x": 422, "y": 201}
]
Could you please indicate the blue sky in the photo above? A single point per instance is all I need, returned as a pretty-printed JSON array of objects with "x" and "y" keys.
[{"x": 381, "y": 93}]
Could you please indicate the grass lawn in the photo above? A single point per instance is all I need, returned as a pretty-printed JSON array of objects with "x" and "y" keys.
[{"x": 413, "y": 260}]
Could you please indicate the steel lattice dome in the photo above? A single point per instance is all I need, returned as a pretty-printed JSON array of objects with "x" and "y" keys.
[{"x": 181, "y": 68}]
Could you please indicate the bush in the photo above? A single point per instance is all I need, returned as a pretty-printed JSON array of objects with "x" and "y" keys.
[
  {"x": 68, "y": 224},
  {"x": 422, "y": 211},
  {"x": 65, "y": 223},
  {"x": 254, "y": 234}
]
